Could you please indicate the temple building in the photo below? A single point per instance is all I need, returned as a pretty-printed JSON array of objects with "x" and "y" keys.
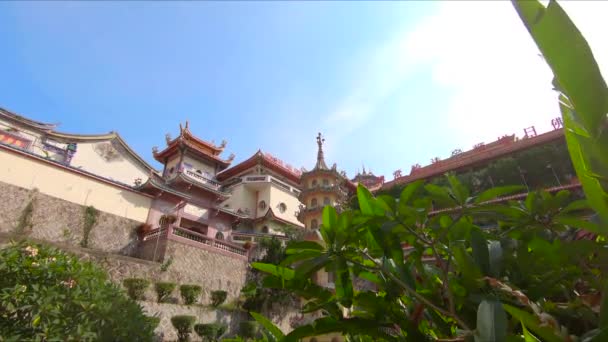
[
  {"x": 368, "y": 179},
  {"x": 264, "y": 190},
  {"x": 320, "y": 187}
]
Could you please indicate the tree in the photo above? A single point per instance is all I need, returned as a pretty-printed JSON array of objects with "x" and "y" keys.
[{"x": 46, "y": 294}]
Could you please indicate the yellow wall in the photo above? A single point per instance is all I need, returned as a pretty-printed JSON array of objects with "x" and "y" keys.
[
  {"x": 52, "y": 180},
  {"x": 241, "y": 198},
  {"x": 199, "y": 165},
  {"x": 278, "y": 196},
  {"x": 122, "y": 169}
]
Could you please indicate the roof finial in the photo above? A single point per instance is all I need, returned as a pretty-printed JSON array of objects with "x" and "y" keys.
[{"x": 320, "y": 159}]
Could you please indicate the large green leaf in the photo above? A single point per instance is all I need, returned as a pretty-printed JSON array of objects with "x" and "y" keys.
[
  {"x": 480, "y": 251},
  {"x": 344, "y": 285},
  {"x": 528, "y": 337},
  {"x": 584, "y": 98},
  {"x": 460, "y": 192},
  {"x": 409, "y": 191},
  {"x": 367, "y": 202},
  {"x": 470, "y": 271},
  {"x": 301, "y": 246},
  {"x": 328, "y": 325},
  {"x": 282, "y": 272},
  {"x": 330, "y": 217},
  {"x": 533, "y": 323},
  {"x": 274, "y": 333},
  {"x": 491, "y": 322}
]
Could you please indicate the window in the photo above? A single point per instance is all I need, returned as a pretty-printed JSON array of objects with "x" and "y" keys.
[
  {"x": 282, "y": 207},
  {"x": 314, "y": 224},
  {"x": 199, "y": 172},
  {"x": 262, "y": 205},
  {"x": 171, "y": 169},
  {"x": 265, "y": 229},
  {"x": 314, "y": 182},
  {"x": 326, "y": 182},
  {"x": 326, "y": 201},
  {"x": 313, "y": 202},
  {"x": 219, "y": 236}
]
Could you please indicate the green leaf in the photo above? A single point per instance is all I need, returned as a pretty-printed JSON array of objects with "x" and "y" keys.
[
  {"x": 306, "y": 268},
  {"x": 283, "y": 272},
  {"x": 460, "y": 191},
  {"x": 275, "y": 334},
  {"x": 299, "y": 256},
  {"x": 491, "y": 322},
  {"x": 300, "y": 246},
  {"x": 470, "y": 271},
  {"x": 344, "y": 285},
  {"x": 584, "y": 98},
  {"x": 481, "y": 254},
  {"x": 576, "y": 222},
  {"x": 528, "y": 337},
  {"x": 365, "y": 200},
  {"x": 500, "y": 191},
  {"x": 533, "y": 323},
  {"x": 440, "y": 195},
  {"x": 603, "y": 319},
  {"x": 330, "y": 217},
  {"x": 409, "y": 191}
]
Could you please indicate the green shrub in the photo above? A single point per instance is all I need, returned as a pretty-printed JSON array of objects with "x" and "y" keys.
[
  {"x": 163, "y": 291},
  {"x": 49, "y": 295},
  {"x": 90, "y": 219},
  {"x": 190, "y": 293},
  {"x": 154, "y": 321},
  {"x": 183, "y": 325},
  {"x": 218, "y": 298},
  {"x": 210, "y": 332},
  {"x": 248, "y": 329},
  {"x": 136, "y": 287}
]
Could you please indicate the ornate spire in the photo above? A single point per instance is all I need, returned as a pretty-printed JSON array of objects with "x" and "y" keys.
[{"x": 320, "y": 158}]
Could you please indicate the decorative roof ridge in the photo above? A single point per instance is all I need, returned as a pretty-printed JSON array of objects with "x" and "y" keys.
[
  {"x": 25, "y": 121},
  {"x": 257, "y": 157},
  {"x": 320, "y": 165},
  {"x": 186, "y": 133}
]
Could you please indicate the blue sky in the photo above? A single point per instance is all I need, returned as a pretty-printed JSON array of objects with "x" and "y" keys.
[{"x": 390, "y": 84}]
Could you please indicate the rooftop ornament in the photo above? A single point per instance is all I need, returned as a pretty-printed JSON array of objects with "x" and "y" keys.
[
  {"x": 397, "y": 174},
  {"x": 479, "y": 145},
  {"x": 435, "y": 160},
  {"x": 168, "y": 136},
  {"x": 320, "y": 157},
  {"x": 529, "y": 132},
  {"x": 456, "y": 152},
  {"x": 415, "y": 168}
]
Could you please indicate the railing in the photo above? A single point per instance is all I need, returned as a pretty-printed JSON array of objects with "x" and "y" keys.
[
  {"x": 267, "y": 178},
  {"x": 202, "y": 179},
  {"x": 196, "y": 237},
  {"x": 219, "y": 244},
  {"x": 254, "y": 237}
]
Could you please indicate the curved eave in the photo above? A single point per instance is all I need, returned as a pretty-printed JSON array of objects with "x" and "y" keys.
[
  {"x": 173, "y": 145},
  {"x": 232, "y": 213},
  {"x": 188, "y": 135},
  {"x": 14, "y": 117},
  {"x": 156, "y": 188},
  {"x": 272, "y": 217},
  {"x": 258, "y": 157}
]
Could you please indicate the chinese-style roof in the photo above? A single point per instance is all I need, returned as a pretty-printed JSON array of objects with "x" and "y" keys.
[
  {"x": 201, "y": 185},
  {"x": 480, "y": 155},
  {"x": 200, "y": 147},
  {"x": 156, "y": 186},
  {"x": 48, "y": 130},
  {"x": 270, "y": 216},
  {"x": 266, "y": 160}
]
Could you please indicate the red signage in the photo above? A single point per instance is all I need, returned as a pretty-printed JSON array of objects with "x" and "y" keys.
[{"x": 14, "y": 140}]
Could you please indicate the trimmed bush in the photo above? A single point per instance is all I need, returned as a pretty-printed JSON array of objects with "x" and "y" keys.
[
  {"x": 190, "y": 293},
  {"x": 210, "y": 332},
  {"x": 218, "y": 298},
  {"x": 136, "y": 287},
  {"x": 163, "y": 291},
  {"x": 183, "y": 325},
  {"x": 154, "y": 321},
  {"x": 248, "y": 329},
  {"x": 43, "y": 292}
]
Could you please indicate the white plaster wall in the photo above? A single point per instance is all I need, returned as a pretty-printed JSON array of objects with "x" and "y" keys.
[
  {"x": 241, "y": 198},
  {"x": 277, "y": 197},
  {"x": 123, "y": 169},
  {"x": 52, "y": 180},
  {"x": 199, "y": 165}
]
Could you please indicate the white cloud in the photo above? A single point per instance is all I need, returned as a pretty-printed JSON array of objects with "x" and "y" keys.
[{"x": 481, "y": 54}]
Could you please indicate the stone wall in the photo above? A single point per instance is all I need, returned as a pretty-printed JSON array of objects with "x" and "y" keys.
[{"x": 57, "y": 220}]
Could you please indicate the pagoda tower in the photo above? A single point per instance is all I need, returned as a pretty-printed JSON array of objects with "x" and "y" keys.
[{"x": 320, "y": 187}]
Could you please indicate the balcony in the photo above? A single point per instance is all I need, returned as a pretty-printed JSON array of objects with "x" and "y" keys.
[
  {"x": 210, "y": 183},
  {"x": 195, "y": 239},
  {"x": 258, "y": 179},
  {"x": 242, "y": 237}
]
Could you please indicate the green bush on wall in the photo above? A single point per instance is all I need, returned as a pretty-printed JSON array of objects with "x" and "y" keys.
[
  {"x": 248, "y": 329},
  {"x": 190, "y": 293},
  {"x": 210, "y": 332},
  {"x": 164, "y": 290},
  {"x": 136, "y": 287},
  {"x": 183, "y": 324},
  {"x": 218, "y": 298}
]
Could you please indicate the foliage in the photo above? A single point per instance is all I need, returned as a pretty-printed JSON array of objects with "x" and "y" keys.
[
  {"x": 90, "y": 219},
  {"x": 164, "y": 290},
  {"x": 164, "y": 267},
  {"x": 218, "y": 298},
  {"x": 583, "y": 95},
  {"x": 259, "y": 298},
  {"x": 210, "y": 332},
  {"x": 455, "y": 279},
  {"x": 183, "y": 324},
  {"x": 190, "y": 293},
  {"x": 136, "y": 287},
  {"x": 248, "y": 329},
  {"x": 46, "y": 294},
  {"x": 25, "y": 223}
]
